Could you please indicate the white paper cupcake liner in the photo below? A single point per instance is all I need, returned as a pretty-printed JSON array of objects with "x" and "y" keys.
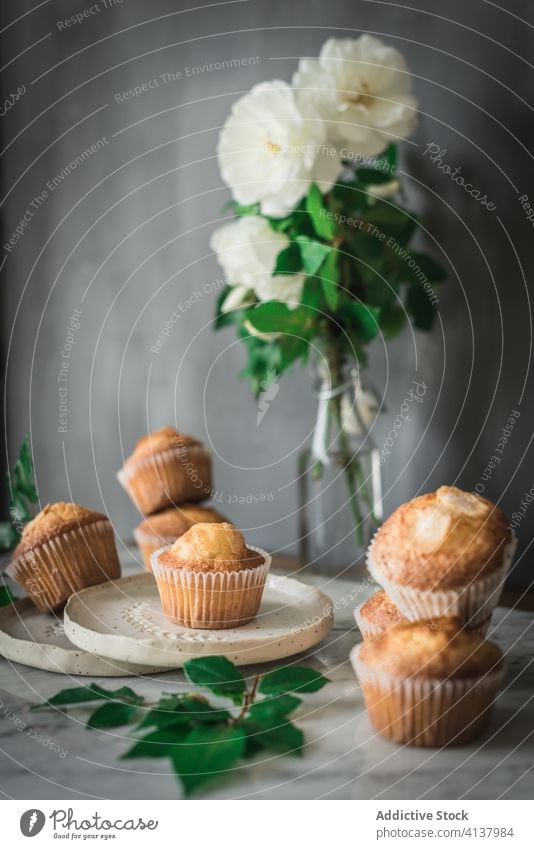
[
  {"x": 427, "y": 712},
  {"x": 168, "y": 477},
  {"x": 67, "y": 563},
  {"x": 473, "y": 604},
  {"x": 211, "y": 599}
]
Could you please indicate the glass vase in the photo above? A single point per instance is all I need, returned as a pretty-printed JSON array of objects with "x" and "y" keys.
[{"x": 340, "y": 471}]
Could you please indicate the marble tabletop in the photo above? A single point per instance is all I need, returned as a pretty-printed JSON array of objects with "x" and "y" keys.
[{"x": 49, "y": 755}]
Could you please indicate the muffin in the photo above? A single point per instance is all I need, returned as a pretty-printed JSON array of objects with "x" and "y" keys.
[
  {"x": 165, "y": 469},
  {"x": 376, "y": 615},
  {"x": 165, "y": 527},
  {"x": 210, "y": 578},
  {"x": 64, "y": 549},
  {"x": 429, "y": 683},
  {"x": 445, "y": 553}
]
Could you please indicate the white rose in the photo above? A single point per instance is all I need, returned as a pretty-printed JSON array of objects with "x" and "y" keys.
[
  {"x": 246, "y": 250},
  {"x": 362, "y": 90},
  {"x": 269, "y": 153}
]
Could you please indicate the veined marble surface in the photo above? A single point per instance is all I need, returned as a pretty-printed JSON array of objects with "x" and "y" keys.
[{"x": 48, "y": 755}]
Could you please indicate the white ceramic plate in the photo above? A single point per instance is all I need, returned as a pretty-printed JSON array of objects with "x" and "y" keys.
[
  {"x": 124, "y": 620},
  {"x": 38, "y": 639}
]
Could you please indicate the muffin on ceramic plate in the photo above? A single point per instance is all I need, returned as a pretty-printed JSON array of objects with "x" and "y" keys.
[
  {"x": 429, "y": 683},
  {"x": 165, "y": 469},
  {"x": 210, "y": 578},
  {"x": 165, "y": 527},
  {"x": 65, "y": 548},
  {"x": 445, "y": 553},
  {"x": 376, "y": 615}
]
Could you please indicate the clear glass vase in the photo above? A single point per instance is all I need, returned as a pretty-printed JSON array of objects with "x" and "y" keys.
[{"x": 340, "y": 471}]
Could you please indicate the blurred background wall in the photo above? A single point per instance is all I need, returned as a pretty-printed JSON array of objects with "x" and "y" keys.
[{"x": 113, "y": 246}]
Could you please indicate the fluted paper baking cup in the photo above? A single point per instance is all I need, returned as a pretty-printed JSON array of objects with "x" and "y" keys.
[
  {"x": 69, "y": 562},
  {"x": 427, "y": 712},
  {"x": 167, "y": 478},
  {"x": 210, "y": 599},
  {"x": 473, "y": 604}
]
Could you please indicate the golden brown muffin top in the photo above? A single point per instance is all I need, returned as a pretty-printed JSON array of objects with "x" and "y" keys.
[
  {"x": 431, "y": 648},
  {"x": 175, "y": 521},
  {"x": 380, "y": 610},
  {"x": 55, "y": 519},
  {"x": 209, "y": 547},
  {"x": 441, "y": 540},
  {"x": 162, "y": 440}
]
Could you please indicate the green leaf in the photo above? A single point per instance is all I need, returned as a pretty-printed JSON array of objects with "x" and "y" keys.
[
  {"x": 292, "y": 679},
  {"x": 361, "y": 317},
  {"x": 91, "y": 693},
  {"x": 269, "y": 710},
  {"x": 112, "y": 714},
  {"x": 159, "y": 744},
  {"x": 392, "y": 155},
  {"x": 276, "y": 317},
  {"x": 329, "y": 278},
  {"x": 6, "y": 596},
  {"x": 288, "y": 260},
  {"x": 313, "y": 254},
  {"x": 223, "y": 319},
  {"x": 8, "y": 536},
  {"x": 243, "y": 209},
  {"x": 207, "y": 752},
  {"x": 392, "y": 321},
  {"x": 284, "y": 738},
  {"x": 350, "y": 196},
  {"x": 183, "y": 710},
  {"x": 420, "y": 307},
  {"x": 373, "y": 176},
  {"x": 432, "y": 269},
  {"x": 219, "y": 675},
  {"x": 323, "y": 225},
  {"x": 396, "y": 223}
]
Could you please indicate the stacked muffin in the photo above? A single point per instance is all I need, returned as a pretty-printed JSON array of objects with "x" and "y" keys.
[
  {"x": 424, "y": 667},
  {"x": 207, "y": 576},
  {"x": 166, "y": 476}
]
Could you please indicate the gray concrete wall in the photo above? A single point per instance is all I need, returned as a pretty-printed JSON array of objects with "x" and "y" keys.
[{"x": 124, "y": 239}]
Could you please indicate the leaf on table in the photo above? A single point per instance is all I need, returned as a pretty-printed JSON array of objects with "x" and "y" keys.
[
  {"x": 183, "y": 710},
  {"x": 91, "y": 693},
  {"x": 282, "y": 737},
  {"x": 158, "y": 744},
  {"x": 218, "y": 674},
  {"x": 269, "y": 709},
  {"x": 112, "y": 714},
  {"x": 292, "y": 679},
  {"x": 207, "y": 752}
]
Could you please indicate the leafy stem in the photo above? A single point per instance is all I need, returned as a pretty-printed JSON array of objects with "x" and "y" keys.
[
  {"x": 22, "y": 494},
  {"x": 203, "y": 740}
]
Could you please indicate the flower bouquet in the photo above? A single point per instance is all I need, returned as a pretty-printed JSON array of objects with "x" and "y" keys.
[{"x": 318, "y": 255}]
